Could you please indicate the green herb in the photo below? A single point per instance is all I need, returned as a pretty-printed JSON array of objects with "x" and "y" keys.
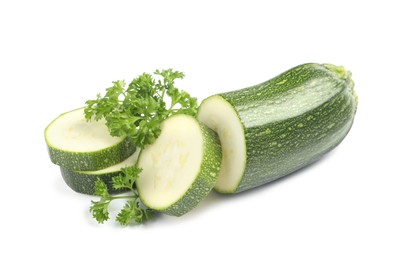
[
  {"x": 132, "y": 211},
  {"x": 138, "y": 110}
]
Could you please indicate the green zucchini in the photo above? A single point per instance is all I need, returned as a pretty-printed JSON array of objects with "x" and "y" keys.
[
  {"x": 274, "y": 128},
  {"x": 85, "y": 181},
  {"x": 181, "y": 167},
  {"x": 75, "y": 144}
]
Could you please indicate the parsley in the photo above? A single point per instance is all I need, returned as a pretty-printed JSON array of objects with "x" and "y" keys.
[
  {"x": 132, "y": 211},
  {"x": 137, "y": 111}
]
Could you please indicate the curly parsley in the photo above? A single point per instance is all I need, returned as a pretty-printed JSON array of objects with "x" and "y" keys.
[
  {"x": 132, "y": 211},
  {"x": 136, "y": 111}
]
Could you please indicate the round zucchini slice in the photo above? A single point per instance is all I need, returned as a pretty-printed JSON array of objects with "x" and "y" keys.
[
  {"x": 75, "y": 144},
  {"x": 181, "y": 167}
]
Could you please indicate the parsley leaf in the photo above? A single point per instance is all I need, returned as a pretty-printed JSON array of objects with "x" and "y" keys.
[
  {"x": 138, "y": 109},
  {"x": 101, "y": 189},
  {"x": 132, "y": 212},
  {"x": 100, "y": 210}
]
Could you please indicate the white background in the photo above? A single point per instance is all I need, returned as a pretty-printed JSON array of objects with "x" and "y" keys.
[{"x": 55, "y": 55}]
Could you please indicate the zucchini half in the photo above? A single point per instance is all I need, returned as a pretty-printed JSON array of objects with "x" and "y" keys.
[{"x": 277, "y": 127}]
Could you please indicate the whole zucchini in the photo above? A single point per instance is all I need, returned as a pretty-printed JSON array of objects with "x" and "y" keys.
[{"x": 274, "y": 128}]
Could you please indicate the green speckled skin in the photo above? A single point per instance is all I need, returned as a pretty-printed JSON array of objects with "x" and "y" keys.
[
  {"x": 85, "y": 183},
  {"x": 92, "y": 161},
  {"x": 278, "y": 144},
  {"x": 206, "y": 178}
]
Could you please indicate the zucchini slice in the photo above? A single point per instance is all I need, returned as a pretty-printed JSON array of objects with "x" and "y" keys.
[
  {"x": 85, "y": 181},
  {"x": 181, "y": 167},
  {"x": 75, "y": 144},
  {"x": 274, "y": 128}
]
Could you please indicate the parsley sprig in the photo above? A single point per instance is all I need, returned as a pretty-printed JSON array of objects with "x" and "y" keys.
[
  {"x": 132, "y": 212},
  {"x": 136, "y": 111}
]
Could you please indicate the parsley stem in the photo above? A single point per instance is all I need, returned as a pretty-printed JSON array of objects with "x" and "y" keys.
[
  {"x": 123, "y": 197},
  {"x": 163, "y": 93},
  {"x": 135, "y": 193}
]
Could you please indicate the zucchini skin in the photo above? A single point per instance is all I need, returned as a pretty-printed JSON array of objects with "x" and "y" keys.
[
  {"x": 85, "y": 183},
  {"x": 92, "y": 161},
  {"x": 279, "y": 146}
]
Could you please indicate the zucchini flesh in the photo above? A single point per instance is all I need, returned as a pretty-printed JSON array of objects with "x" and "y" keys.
[
  {"x": 285, "y": 123},
  {"x": 85, "y": 181},
  {"x": 75, "y": 144},
  {"x": 180, "y": 168},
  {"x": 218, "y": 115}
]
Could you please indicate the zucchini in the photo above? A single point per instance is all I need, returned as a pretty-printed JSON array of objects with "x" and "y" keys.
[
  {"x": 274, "y": 128},
  {"x": 85, "y": 181},
  {"x": 75, "y": 144},
  {"x": 181, "y": 167}
]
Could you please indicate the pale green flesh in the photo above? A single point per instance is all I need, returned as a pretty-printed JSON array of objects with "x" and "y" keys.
[
  {"x": 71, "y": 132},
  {"x": 221, "y": 117},
  {"x": 78, "y": 145},
  {"x": 171, "y": 164},
  {"x": 180, "y": 168}
]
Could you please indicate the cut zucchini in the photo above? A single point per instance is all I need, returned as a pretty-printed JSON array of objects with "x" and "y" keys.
[
  {"x": 84, "y": 181},
  {"x": 181, "y": 167},
  {"x": 274, "y": 128},
  {"x": 75, "y": 144}
]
